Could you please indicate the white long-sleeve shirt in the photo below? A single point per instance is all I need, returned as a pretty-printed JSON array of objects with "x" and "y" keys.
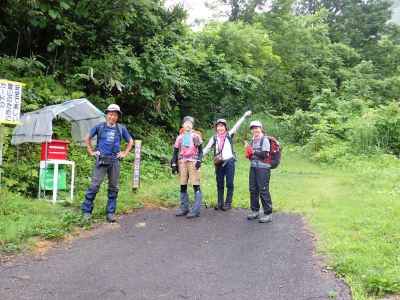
[{"x": 227, "y": 150}]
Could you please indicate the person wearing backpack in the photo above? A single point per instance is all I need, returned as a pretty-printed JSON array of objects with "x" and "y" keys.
[
  {"x": 258, "y": 152},
  {"x": 108, "y": 155},
  {"x": 186, "y": 159},
  {"x": 224, "y": 159}
]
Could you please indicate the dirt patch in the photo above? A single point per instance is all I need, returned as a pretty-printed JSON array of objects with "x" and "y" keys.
[
  {"x": 41, "y": 247},
  {"x": 152, "y": 204}
]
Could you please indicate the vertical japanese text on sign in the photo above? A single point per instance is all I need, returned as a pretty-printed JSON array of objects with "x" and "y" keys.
[{"x": 10, "y": 101}]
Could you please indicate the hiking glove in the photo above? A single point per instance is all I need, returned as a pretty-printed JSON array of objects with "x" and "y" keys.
[
  {"x": 174, "y": 161},
  {"x": 174, "y": 168},
  {"x": 249, "y": 152},
  {"x": 198, "y": 164}
]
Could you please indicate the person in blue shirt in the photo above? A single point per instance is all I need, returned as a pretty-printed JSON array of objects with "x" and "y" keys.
[{"x": 108, "y": 155}]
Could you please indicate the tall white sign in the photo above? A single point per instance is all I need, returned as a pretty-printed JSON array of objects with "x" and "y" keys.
[
  {"x": 136, "y": 165},
  {"x": 10, "y": 101}
]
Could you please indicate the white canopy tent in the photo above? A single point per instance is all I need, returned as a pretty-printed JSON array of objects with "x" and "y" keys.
[{"x": 37, "y": 126}]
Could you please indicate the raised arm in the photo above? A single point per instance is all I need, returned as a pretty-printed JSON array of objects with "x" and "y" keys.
[
  {"x": 236, "y": 127},
  {"x": 210, "y": 144}
]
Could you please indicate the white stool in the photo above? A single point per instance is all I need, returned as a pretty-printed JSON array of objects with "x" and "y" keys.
[{"x": 57, "y": 163}]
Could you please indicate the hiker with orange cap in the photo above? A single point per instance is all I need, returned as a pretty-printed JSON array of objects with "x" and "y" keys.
[
  {"x": 108, "y": 155},
  {"x": 224, "y": 159}
]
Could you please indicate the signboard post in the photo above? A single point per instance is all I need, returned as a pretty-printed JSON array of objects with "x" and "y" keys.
[
  {"x": 136, "y": 165},
  {"x": 10, "y": 109}
]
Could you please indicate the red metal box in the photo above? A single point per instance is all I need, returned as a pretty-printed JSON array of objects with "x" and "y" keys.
[{"x": 56, "y": 149}]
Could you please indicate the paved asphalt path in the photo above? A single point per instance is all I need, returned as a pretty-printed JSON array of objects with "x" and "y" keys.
[{"x": 154, "y": 255}]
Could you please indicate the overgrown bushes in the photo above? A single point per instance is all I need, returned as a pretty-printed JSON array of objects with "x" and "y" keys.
[{"x": 350, "y": 128}]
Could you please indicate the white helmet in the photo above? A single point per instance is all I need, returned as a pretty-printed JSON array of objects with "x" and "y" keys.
[
  {"x": 255, "y": 124},
  {"x": 115, "y": 108}
]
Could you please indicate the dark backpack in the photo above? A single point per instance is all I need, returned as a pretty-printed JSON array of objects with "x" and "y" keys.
[{"x": 274, "y": 156}]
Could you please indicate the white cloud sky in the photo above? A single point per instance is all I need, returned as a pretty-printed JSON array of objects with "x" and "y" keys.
[
  {"x": 396, "y": 11},
  {"x": 197, "y": 10}
]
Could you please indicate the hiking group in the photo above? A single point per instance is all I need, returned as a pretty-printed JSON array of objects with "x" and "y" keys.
[{"x": 262, "y": 151}]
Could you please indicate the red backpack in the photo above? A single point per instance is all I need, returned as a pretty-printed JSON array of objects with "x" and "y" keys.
[{"x": 274, "y": 157}]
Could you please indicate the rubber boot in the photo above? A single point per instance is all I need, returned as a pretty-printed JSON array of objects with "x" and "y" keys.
[
  {"x": 184, "y": 209},
  {"x": 195, "y": 212},
  {"x": 220, "y": 201},
  {"x": 229, "y": 196}
]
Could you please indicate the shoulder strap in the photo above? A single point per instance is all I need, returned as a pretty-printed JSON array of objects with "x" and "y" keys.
[
  {"x": 99, "y": 132},
  {"x": 230, "y": 139},
  {"x": 261, "y": 142},
  {"x": 215, "y": 144},
  {"x": 120, "y": 128}
]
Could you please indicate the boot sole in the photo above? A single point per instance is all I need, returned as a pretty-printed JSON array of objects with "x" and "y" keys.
[
  {"x": 181, "y": 214},
  {"x": 265, "y": 221}
]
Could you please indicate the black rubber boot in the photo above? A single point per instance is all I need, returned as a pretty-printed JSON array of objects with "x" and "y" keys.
[{"x": 220, "y": 201}]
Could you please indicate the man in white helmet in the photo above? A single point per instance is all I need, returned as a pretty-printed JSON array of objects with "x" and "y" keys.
[{"x": 108, "y": 154}]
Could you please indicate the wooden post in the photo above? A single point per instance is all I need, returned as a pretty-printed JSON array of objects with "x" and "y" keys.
[{"x": 136, "y": 165}]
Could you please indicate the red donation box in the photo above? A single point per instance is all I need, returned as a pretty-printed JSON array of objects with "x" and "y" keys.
[{"x": 55, "y": 150}]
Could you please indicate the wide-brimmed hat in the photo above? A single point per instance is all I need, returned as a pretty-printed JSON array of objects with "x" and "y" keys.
[
  {"x": 113, "y": 108},
  {"x": 255, "y": 124}
]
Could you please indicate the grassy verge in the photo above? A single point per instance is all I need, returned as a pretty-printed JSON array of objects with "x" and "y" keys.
[
  {"x": 23, "y": 221},
  {"x": 353, "y": 208},
  {"x": 356, "y": 213}
]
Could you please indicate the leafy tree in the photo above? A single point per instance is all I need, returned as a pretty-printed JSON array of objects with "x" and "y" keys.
[
  {"x": 357, "y": 23},
  {"x": 67, "y": 31}
]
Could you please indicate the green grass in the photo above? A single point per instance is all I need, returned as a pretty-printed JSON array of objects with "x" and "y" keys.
[
  {"x": 353, "y": 208},
  {"x": 355, "y": 212}
]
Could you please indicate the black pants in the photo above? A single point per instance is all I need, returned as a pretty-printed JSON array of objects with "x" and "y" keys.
[
  {"x": 99, "y": 172},
  {"x": 259, "y": 188},
  {"x": 227, "y": 170}
]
